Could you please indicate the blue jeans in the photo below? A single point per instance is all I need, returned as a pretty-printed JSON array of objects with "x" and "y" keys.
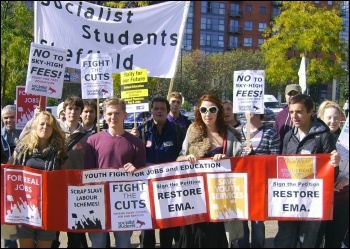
[
  {"x": 10, "y": 243},
  {"x": 290, "y": 234},
  {"x": 122, "y": 239},
  {"x": 258, "y": 235}
]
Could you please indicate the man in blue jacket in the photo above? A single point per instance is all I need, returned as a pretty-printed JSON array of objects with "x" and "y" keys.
[{"x": 163, "y": 140}]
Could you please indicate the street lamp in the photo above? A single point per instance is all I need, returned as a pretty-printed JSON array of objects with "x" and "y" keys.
[
  {"x": 184, "y": 48},
  {"x": 131, "y": 4}
]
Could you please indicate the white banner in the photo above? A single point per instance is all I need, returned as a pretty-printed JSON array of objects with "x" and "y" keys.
[
  {"x": 248, "y": 91},
  {"x": 146, "y": 37},
  {"x": 343, "y": 150},
  {"x": 46, "y": 68},
  {"x": 302, "y": 75},
  {"x": 96, "y": 76}
]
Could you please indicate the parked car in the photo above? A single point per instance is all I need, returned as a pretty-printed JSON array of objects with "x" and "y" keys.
[
  {"x": 182, "y": 111},
  {"x": 272, "y": 103},
  {"x": 52, "y": 110},
  {"x": 141, "y": 117},
  {"x": 190, "y": 115}
]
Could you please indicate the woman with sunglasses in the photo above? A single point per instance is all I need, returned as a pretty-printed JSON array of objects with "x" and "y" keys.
[{"x": 209, "y": 136}]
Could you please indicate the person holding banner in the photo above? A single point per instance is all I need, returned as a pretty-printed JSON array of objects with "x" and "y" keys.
[
  {"x": 334, "y": 230},
  {"x": 309, "y": 135},
  {"x": 230, "y": 117},
  {"x": 76, "y": 138},
  {"x": 174, "y": 115},
  {"x": 44, "y": 148},
  {"x": 263, "y": 141},
  {"x": 114, "y": 148},
  {"x": 162, "y": 140},
  {"x": 210, "y": 136}
]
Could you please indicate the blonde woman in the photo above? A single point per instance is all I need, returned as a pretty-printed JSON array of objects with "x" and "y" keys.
[
  {"x": 44, "y": 148},
  {"x": 334, "y": 230}
]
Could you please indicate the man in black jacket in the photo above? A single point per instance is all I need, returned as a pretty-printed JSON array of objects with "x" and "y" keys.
[{"x": 309, "y": 135}]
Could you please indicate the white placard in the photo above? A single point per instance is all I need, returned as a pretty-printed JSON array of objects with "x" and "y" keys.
[
  {"x": 46, "y": 68},
  {"x": 248, "y": 91}
]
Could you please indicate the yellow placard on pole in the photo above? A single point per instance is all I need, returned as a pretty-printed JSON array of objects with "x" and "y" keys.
[
  {"x": 134, "y": 76},
  {"x": 134, "y": 89}
]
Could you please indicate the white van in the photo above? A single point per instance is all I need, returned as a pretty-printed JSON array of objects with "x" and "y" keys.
[
  {"x": 270, "y": 102},
  {"x": 52, "y": 109}
]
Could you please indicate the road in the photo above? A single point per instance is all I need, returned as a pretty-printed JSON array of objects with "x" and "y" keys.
[{"x": 271, "y": 229}]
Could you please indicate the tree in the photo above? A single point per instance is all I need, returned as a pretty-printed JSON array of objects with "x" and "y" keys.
[
  {"x": 308, "y": 31},
  {"x": 16, "y": 36},
  {"x": 213, "y": 73}
]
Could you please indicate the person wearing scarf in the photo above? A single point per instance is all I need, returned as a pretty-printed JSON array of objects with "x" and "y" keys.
[{"x": 43, "y": 147}]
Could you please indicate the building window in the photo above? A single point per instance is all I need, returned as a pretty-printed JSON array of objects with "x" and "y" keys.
[
  {"x": 276, "y": 11},
  {"x": 221, "y": 25},
  {"x": 235, "y": 10},
  {"x": 248, "y": 25},
  {"x": 262, "y": 26},
  {"x": 233, "y": 42},
  {"x": 221, "y": 41},
  {"x": 317, "y": 2},
  {"x": 234, "y": 26},
  {"x": 206, "y": 23},
  {"x": 248, "y": 8},
  {"x": 206, "y": 7},
  {"x": 330, "y": 2},
  {"x": 262, "y": 10},
  {"x": 222, "y": 9},
  {"x": 260, "y": 42},
  {"x": 248, "y": 42},
  {"x": 208, "y": 40}
]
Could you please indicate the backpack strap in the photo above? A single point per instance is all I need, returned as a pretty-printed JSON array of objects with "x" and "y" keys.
[
  {"x": 178, "y": 131},
  {"x": 75, "y": 140},
  {"x": 224, "y": 144}
]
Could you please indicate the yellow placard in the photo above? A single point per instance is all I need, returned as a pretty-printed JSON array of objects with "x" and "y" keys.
[{"x": 133, "y": 76}]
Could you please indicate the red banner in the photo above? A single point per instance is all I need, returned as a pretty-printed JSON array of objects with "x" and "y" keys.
[
  {"x": 298, "y": 187},
  {"x": 26, "y": 104}
]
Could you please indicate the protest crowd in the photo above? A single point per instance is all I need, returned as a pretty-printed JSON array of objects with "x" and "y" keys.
[
  {"x": 75, "y": 151},
  {"x": 49, "y": 142}
]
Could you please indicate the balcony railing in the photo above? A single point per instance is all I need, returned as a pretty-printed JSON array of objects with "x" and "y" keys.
[
  {"x": 234, "y": 45},
  {"x": 235, "y": 13},
  {"x": 236, "y": 30}
]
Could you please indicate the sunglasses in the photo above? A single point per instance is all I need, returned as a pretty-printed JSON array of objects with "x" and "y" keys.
[{"x": 212, "y": 109}]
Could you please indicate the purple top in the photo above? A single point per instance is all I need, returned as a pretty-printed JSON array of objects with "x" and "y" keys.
[
  {"x": 106, "y": 151},
  {"x": 182, "y": 120}
]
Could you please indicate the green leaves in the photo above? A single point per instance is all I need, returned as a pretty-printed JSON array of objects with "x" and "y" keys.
[
  {"x": 16, "y": 36},
  {"x": 303, "y": 29}
]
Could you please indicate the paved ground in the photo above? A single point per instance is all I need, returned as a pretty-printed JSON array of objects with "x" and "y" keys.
[{"x": 271, "y": 229}]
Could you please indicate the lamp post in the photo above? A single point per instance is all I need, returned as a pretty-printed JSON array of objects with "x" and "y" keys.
[
  {"x": 184, "y": 48},
  {"x": 131, "y": 4}
]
